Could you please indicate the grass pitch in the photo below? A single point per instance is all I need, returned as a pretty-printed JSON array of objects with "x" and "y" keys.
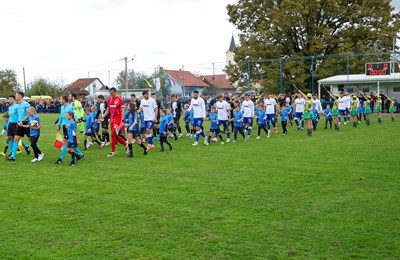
[{"x": 334, "y": 195}]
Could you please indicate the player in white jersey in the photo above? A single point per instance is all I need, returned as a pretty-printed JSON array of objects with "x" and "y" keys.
[
  {"x": 342, "y": 107},
  {"x": 149, "y": 108},
  {"x": 224, "y": 115},
  {"x": 199, "y": 114},
  {"x": 248, "y": 114},
  {"x": 271, "y": 108},
  {"x": 299, "y": 104},
  {"x": 348, "y": 102}
]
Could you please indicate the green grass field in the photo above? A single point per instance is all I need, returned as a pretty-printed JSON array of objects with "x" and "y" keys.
[{"x": 334, "y": 195}]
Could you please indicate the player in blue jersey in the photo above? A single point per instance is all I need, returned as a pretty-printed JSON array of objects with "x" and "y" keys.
[
  {"x": 315, "y": 117},
  {"x": 22, "y": 111},
  {"x": 214, "y": 129},
  {"x": 89, "y": 130},
  {"x": 261, "y": 117},
  {"x": 133, "y": 130},
  {"x": 238, "y": 123},
  {"x": 284, "y": 117},
  {"x": 96, "y": 124},
  {"x": 170, "y": 118},
  {"x": 186, "y": 118},
  {"x": 164, "y": 121},
  {"x": 62, "y": 122},
  {"x": 34, "y": 125},
  {"x": 72, "y": 141},
  {"x": 328, "y": 116},
  {"x": 192, "y": 126},
  {"x": 289, "y": 110},
  {"x": 6, "y": 118},
  {"x": 12, "y": 123}
]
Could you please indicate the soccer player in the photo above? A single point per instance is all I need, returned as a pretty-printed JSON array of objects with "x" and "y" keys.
[
  {"x": 342, "y": 108},
  {"x": 299, "y": 103},
  {"x": 62, "y": 123},
  {"x": 368, "y": 112},
  {"x": 307, "y": 115},
  {"x": 214, "y": 129},
  {"x": 102, "y": 108},
  {"x": 115, "y": 108},
  {"x": 224, "y": 116},
  {"x": 271, "y": 109},
  {"x": 379, "y": 109},
  {"x": 289, "y": 110},
  {"x": 177, "y": 111},
  {"x": 22, "y": 108},
  {"x": 89, "y": 130},
  {"x": 335, "y": 111},
  {"x": 150, "y": 112},
  {"x": 248, "y": 113},
  {"x": 348, "y": 102},
  {"x": 392, "y": 109},
  {"x": 284, "y": 117},
  {"x": 164, "y": 120},
  {"x": 187, "y": 120},
  {"x": 170, "y": 126},
  {"x": 199, "y": 114},
  {"x": 34, "y": 133},
  {"x": 78, "y": 112},
  {"x": 328, "y": 116},
  {"x": 353, "y": 112},
  {"x": 261, "y": 117},
  {"x": 238, "y": 123},
  {"x": 72, "y": 139},
  {"x": 12, "y": 125},
  {"x": 6, "y": 118},
  {"x": 133, "y": 130}
]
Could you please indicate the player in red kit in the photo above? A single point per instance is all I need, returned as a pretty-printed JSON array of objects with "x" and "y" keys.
[{"x": 115, "y": 107}]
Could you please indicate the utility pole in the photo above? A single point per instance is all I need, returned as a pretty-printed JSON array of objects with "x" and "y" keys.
[
  {"x": 126, "y": 72},
  {"x": 23, "y": 69}
]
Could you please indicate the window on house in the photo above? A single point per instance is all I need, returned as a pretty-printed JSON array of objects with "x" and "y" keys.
[{"x": 396, "y": 89}]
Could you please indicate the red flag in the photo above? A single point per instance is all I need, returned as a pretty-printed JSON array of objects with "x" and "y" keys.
[{"x": 58, "y": 143}]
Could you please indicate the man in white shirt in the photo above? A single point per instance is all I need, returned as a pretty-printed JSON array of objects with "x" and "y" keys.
[
  {"x": 149, "y": 108},
  {"x": 248, "y": 114},
  {"x": 348, "y": 102},
  {"x": 342, "y": 107},
  {"x": 224, "y": 115},
  {"x": 271, "y": 110},
  {"x": 299, "y": 103},
  {"x": 199, "y": 114},
  {"x": 317, "y": 103}
]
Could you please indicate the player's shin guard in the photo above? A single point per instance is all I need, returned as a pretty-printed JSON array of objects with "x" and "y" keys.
[
  {"x": 113, "y": 141},
  {"x": 24, "y": 144},
  {"x": 268, "y": 126},
  {"x": 14, "y": 150},
  {"x": 130, "y": 149},
  {"x": 296, "y": 122},
  {"x": 228, "y": 134},
  {"x": 11, "y": 145},
  {"x": 63, "y": 152},
  {"x": 249, "y": 130},
  {"x": 302, "y": 123},
  {"x": 149, "y": 138},
  {"x": 198, "y": 133}
]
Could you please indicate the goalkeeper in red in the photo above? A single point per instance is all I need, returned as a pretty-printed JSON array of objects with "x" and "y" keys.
[{"x": 115, "y": 107}]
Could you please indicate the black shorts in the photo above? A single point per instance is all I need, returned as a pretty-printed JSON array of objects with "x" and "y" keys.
[
  {"x": 176, "y": 119},
  {"x": 72, "y": 145},
  {"x": 12, "y": 129},
  {"x": 22, "y": 131},
  {"x": 65, "y": 132},
  {"x": 104, "y": 124}
]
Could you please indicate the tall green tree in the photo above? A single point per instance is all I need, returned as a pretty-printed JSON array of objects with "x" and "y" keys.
[
  {"x": 135, "y": 80},
  {"x": 8, "y": 82},
  {"x": 297, "y": 28},
  {"x": 43, "y": 87}
]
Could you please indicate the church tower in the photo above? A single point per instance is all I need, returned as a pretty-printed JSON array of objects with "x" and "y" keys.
[{"x": 230, "y": 54}]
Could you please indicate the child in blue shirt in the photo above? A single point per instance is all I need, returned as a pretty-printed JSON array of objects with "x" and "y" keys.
[
  {"x": 238, "y": 123},
  {"x": 289, "y": 110},
  {"x": 328, "y": 116},
  {"x": 261, "y": 117},
  {"x": 133, "y": 130},
  {"x": 171, "y": 123},
  {"x": 89, "y": 130},
  {"x": 193, "y": 129},
  {"x": 72, "y": 139},
  {"x": 361, "y": 111},
  {"x": 164, "y": 121},
  {"x": 6, "y": 117},
  {"x": 284, "y": 117},
  {"x": 34, "y": 125},
  {"x": 214, "y": 129},
  {"x": 186, "y": 117},
  {"x": 315, "y": 117}
]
